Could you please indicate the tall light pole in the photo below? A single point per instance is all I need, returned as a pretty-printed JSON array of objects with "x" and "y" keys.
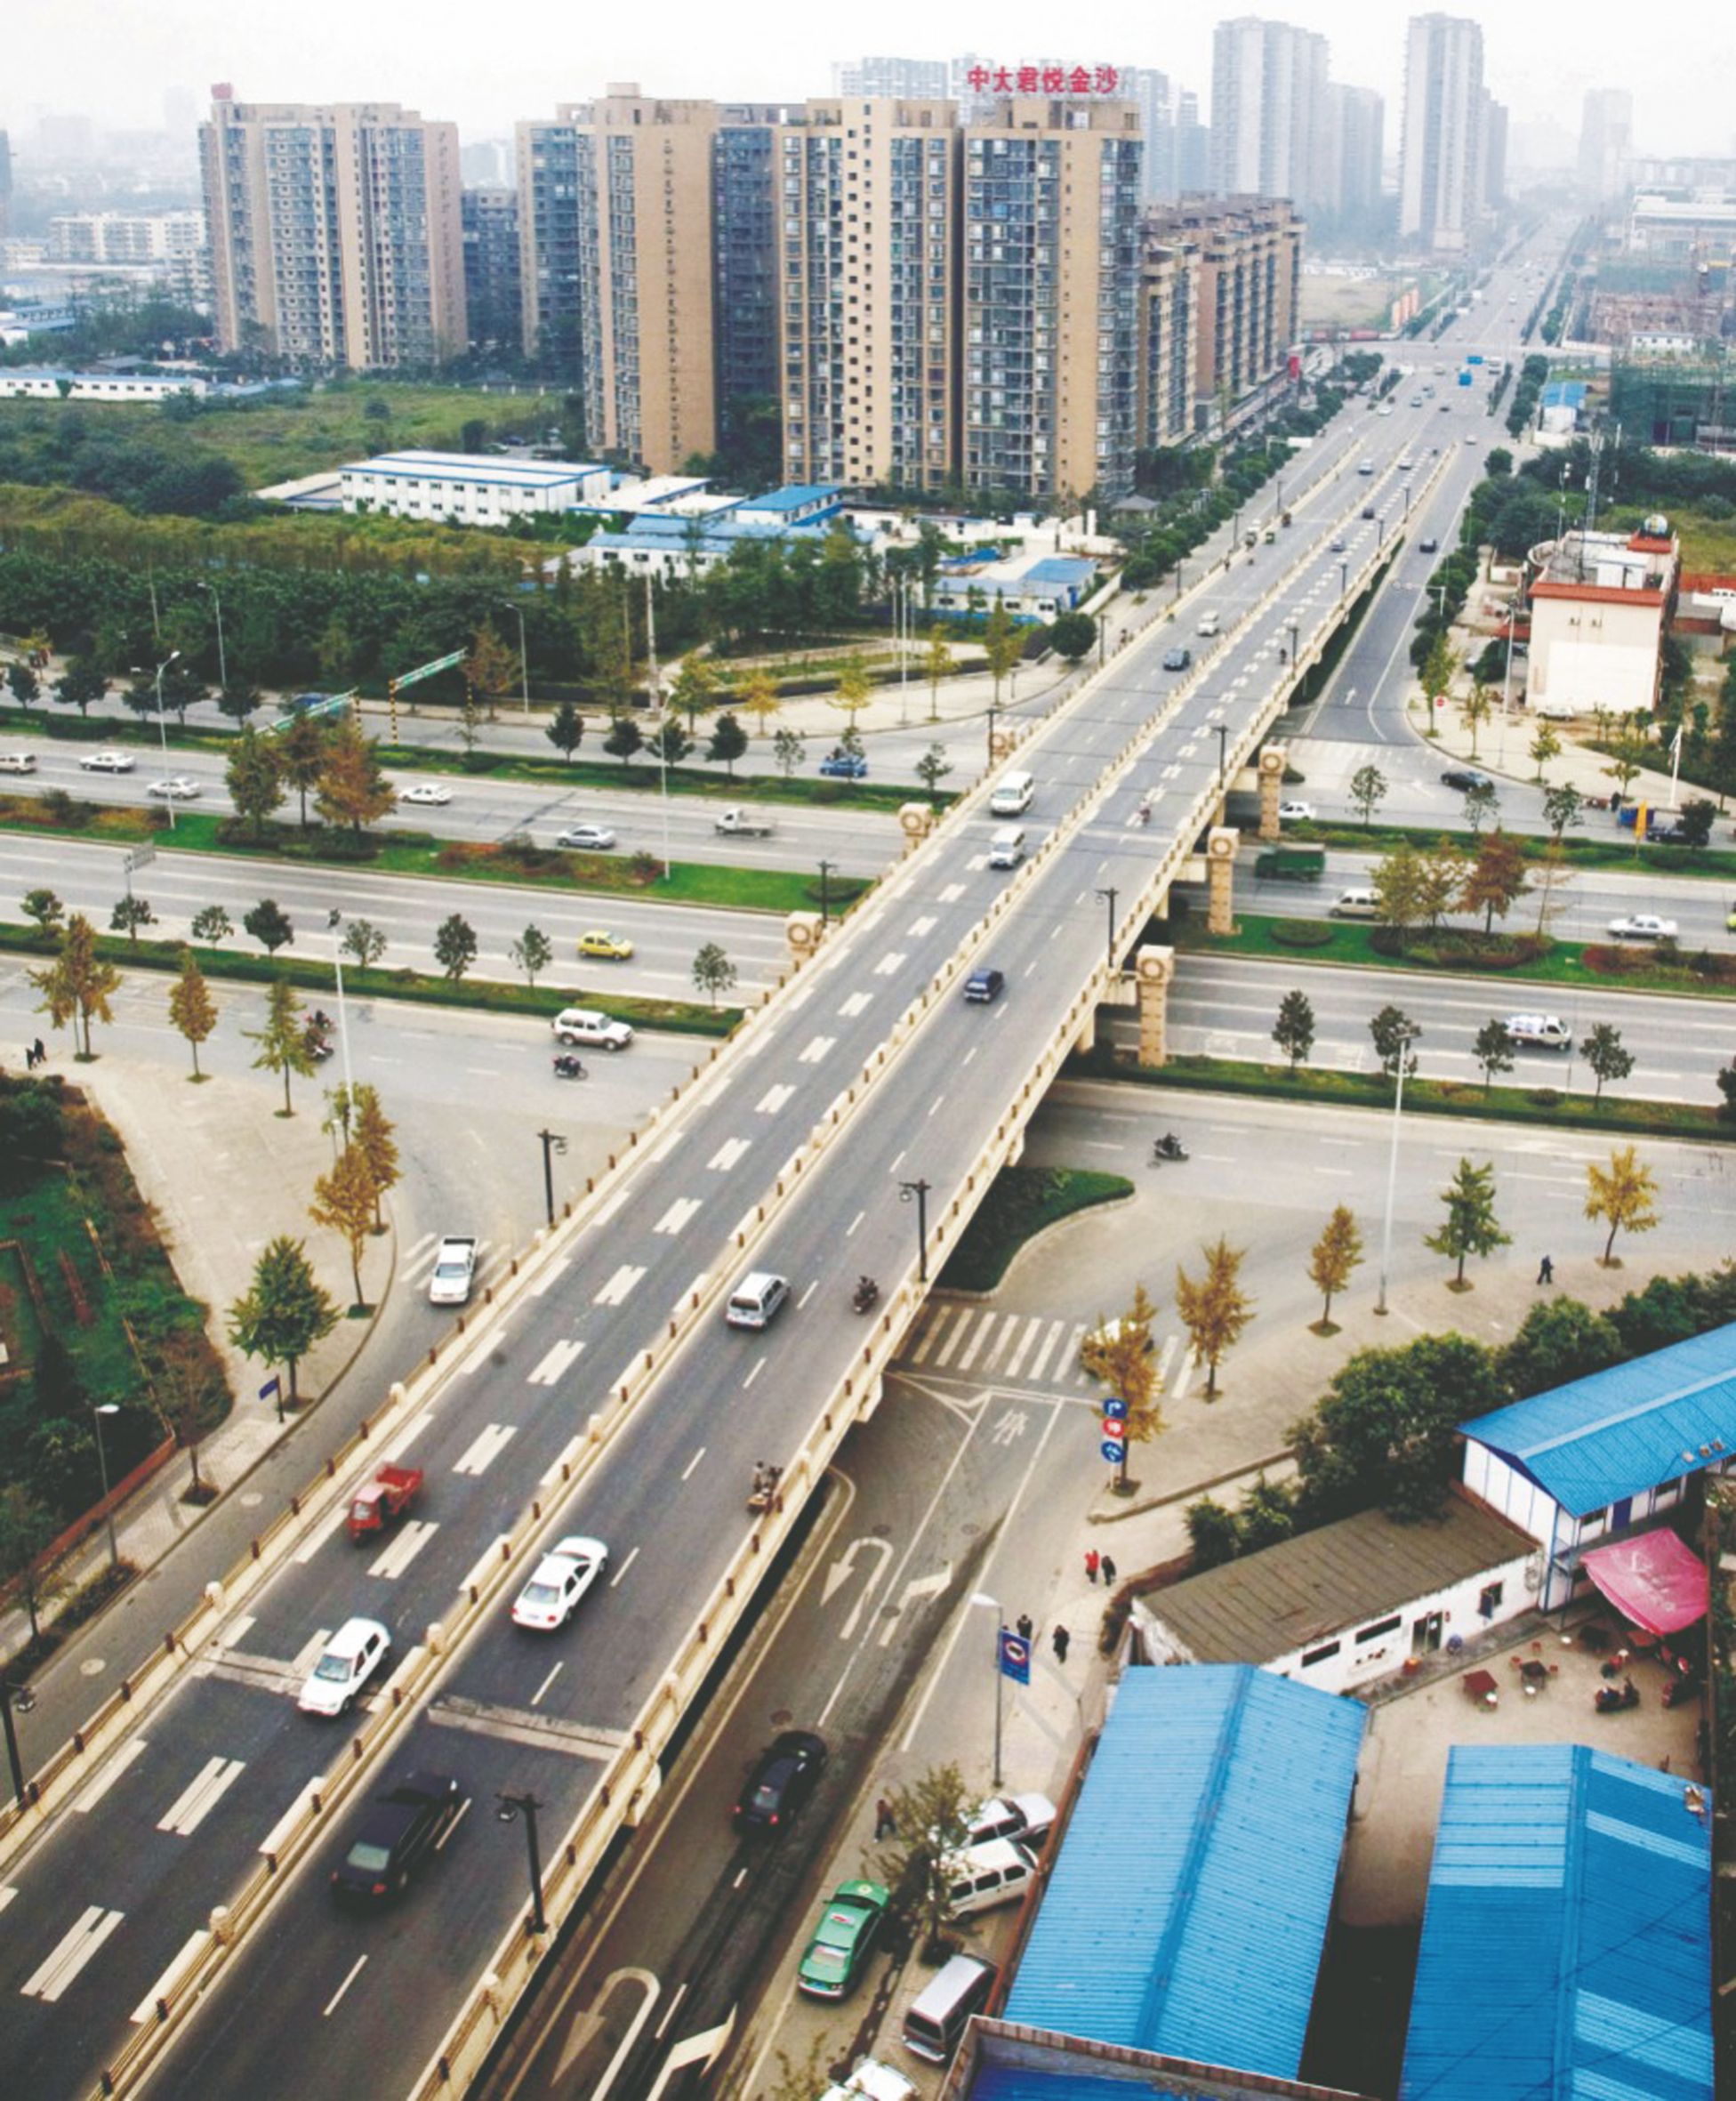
[
  {"x": 222, "y": 656},
  {"x": 552, "y": 1143},
  {"x": 1344, "y": 577},
  {"x": 1409, "y": 1037},
  {"x": 162, "y": 720},
  {"x": 333, "y": 920},
  {"x": 657, "y": 702},
  {"x": 524, "y": 659},
  {"x": 508, "y": 1812},
  {"x": 97, "y": 1411},
  {"x": 994, "y": 709},
  {"x": 1223, "y": 729},
  {"x": 827, "y": 868},
  {"x": 916, "y": 1192},
  {"x": 1109, "y": 897},
  {"x": 995, "y": 1606}
]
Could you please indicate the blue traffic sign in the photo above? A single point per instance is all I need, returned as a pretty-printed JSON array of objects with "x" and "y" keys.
[
  {"x": 1116, "y": 1409},
  {"x": 1113, "y": 1453},
  {"x": 1015, "y": 1656}
]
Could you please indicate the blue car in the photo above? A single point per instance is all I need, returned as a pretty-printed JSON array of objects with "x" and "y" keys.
[{"x": 845, "y": 765}]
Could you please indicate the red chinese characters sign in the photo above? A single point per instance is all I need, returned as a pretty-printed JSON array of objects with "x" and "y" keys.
[{"x": 1044, "y": 80}]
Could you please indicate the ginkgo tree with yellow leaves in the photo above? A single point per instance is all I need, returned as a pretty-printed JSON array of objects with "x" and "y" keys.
[
  {"x": 1118, "y": 1354},
  {"x": 1625, "y": 1193}
]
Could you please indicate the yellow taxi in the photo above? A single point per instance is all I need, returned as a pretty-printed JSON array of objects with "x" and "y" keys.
[{"x": 610, "y": 946}]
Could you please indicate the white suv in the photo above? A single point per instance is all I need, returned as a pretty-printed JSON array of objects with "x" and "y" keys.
[{"x": 584, "y": 1024}]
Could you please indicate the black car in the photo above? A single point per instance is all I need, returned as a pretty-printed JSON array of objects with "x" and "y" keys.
[
  {"x": 781, "y": 1781},
  {"x": 983, "y": 987},
  {"x": 1177, "y": 659},
  {"x": 1429, "y": 546},
  {"x": 398, "y": 1831},
  {"x": 1368, "y": 510},
  {"x": 1465, "y": 777}
]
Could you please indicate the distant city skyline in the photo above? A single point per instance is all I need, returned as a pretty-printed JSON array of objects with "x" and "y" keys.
[{"x": 127, "y": 70}]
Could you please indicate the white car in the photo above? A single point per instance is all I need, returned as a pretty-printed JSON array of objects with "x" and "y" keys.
[
  {"x": 1644, "y": 926},
  {"x": 584, "y": 1024},
  {"x": 179, "y": 788},
  {"x": 1296, "y": 813},
  {"x": 426, "y": 791},
  {"x": 108, "y": 762},
  {"x": 588, "y": 838},
  {"x": 1029, "y": 1817},
  {"x": 561, "y": 1579},
  {"x": 346, "y": 1664}
]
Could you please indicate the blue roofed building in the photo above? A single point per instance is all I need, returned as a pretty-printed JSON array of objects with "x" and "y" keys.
[
  {"x": 1566, "y": 1945},
  {"x": 1203, "y": 1848},
  {"x": 1611, "y": 1455},
  {"x": 1034, "y": 587}
]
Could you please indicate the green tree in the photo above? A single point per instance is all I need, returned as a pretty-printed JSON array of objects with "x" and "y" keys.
[
  {"x": 1494, "y": 1051},
  {"x": 938, "y": 664},
  {"x": 1603, "y": 1052},
  {"x": 713, "y": 973},
  {"x": 270, "y": 925},
  {"x": 239, "y": 698},
  {"x": 1558, "y": 1341},
  {"x": 376, "y": 1139},
  {"x": 1368, "y": 790},
  {"x": 1386, "y": 1433},
  {"x": 80, "y": 684},
  {"x": 854, "y": 691},
  {"x": 1215, "y": 1309},
  {"x": 1470, "y": 1228},
  {"x": 761, "y": 698},
  {"x": 212, "y": 924},
  {"x": 1497, "y": 878},
  {"x": 789, "y": 752},
  {"x": 694, "y": 688},
  {"x": 729, "y": 741},
  {"x": 1481, "y": 801},
  {"x": 76, "y": 985},
  {"x": 1440, "y": 877},
  {"x": 353, "y": 789},
  {"x": 23, "y": 681},
  {"x": 364, "y": 942},
  {"x": 565, "y": 729},
  {"x": 533, "y": 952},
  {"x": 1336, "y": 1256},
  {"x": 1118, "y": 1355},
  {"x": 1629, "y": 753},
  {"x": 254, "y": 774},
  {"x": 454, "y": 945},
  {"x": 669, "y": 743},
  {"x": 932, "y": 768},
  {"x": 301, "y": 757},
  {"x": 346, "y": 1200},
  {"x": 1562, "y": 807},
  {"x": 1399, "y": 889},
  {"x": 625, "y": 738},
  {"x": 931, "y": 1821},
  {"x": 283, "y": 1312},
  {"x": 1211, "y": 1533},
  {"x": 283, "y": 1041},
  {"x": 1545, "y": 746},
  {"x": 129, "y": 915},
  {"x": 1474, "y": 710},
  {"x": 1392, "y": 1033},
  {"x": 1625, "y": 1194},
  {"x": 491, "y": 669},
  {"x": 44, "y": 909},
  {"x": 191, "y": 1007},
  {"x": 1002, "y": 644},
  {"x": 1073, "y": 635},
  {"x": 28, "y": 1573},
  {"x": 1294, "y": 1031},
  {"x": 1439, "y": 665}
]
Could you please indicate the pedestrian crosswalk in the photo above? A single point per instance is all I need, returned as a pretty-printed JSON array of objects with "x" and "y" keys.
[{"x": 986, "y": 1347}]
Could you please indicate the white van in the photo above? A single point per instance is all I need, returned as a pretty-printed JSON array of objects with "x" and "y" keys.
[
  {"x": 998, "y": 1871},
  {"x": 1012, "y": 797},
  {"x": 1539, "y": 1032},
  {"x": 1006, "y": 848},
  {"x": 935, "y": 2020},
  {"x": 18, "y": 762},
  {"x": 1210, "y": 624},
  {"x": 1356, "y": 905},
  {"x": 755, "y": 1300}
]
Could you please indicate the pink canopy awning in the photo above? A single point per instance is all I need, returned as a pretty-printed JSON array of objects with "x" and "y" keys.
[{"x": 1653, "y": 1580}]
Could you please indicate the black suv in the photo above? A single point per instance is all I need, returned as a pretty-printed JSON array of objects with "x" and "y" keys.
[
  {"x": 982, "y": 986},
  {"x": 1465, "y": 777},
  {"x": 397, "y": 1834},
  {"x": 781, "y": 1781}
]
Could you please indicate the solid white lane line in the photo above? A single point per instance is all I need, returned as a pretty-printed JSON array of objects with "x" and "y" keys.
[
  {"x": 687, "y": 1471},
  {"x": 332, "y": 2004},
  {"x": 201, "y": 1796},
  {"x": 536, "y": 1697},
  {"x": 95, "y": 1789}
]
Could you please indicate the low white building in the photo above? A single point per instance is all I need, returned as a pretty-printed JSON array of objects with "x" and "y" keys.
[
  {"x": 469, "y": 489},
  {"x": 1349, "y": 1602},
  {"x": 21, "y": 383},
  {"x": 1597, "y": 608}
]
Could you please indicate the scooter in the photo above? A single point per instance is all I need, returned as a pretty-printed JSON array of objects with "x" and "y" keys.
[
  {"x": 763, "y": 1495},
  {"x": 317, "y": 1046},
  {"x": 867, "y": 1291},
  {"x": 1683, "y": 1686},
  {"x": 1167, "y": 1148},
  {"x": 569, "y": 1067},
  {"x": 1613, "y": 1699}
]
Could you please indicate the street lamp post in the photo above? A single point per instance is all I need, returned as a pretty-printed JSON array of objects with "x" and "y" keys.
[
  {"x": 524, "y": 657},
  {"x": 333, "y": 920},
  {"x": 663, "y": 717},
  {"x": 1223, "y": 744},
  {"x": 222, "y": 657},
  {"x": 827, "y": 868},
  {"x": 1109, "y": 897},
  {"x": 916, "y": 1192},
  {"x": 162, "y": 720},
  {"x": 9, "y": 1693},
  {"x": 552, "y": 1143},
  {"x": 508, "y": 1812},
  {"x": 1410, "y": 1037},
  {"x": 994, "y": 709},
  {"x": 995, "y": 1605},
  {"x": 99, "y": 1411},
  {"x": 1344, "y": 577},
  {"x": 1295, "y": 631}
]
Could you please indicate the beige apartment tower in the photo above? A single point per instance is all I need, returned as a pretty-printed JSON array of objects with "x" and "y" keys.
[
  {"x": 336, "y": 232},
  {"x": 867, "y": 193}
]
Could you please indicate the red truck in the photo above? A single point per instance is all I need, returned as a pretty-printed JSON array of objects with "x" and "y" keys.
[{"x": 384, "y": 1500}]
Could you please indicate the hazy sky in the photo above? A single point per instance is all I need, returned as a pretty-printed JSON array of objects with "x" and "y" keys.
[{"x": 116, "y": 60}]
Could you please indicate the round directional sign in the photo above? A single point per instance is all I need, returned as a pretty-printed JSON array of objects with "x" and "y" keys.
[
  {"x": 1113, "y": 1453},
  {"x": 1116, "y": 1408}
]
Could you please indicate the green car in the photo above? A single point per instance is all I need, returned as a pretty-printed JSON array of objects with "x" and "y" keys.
[{"x": 843, "y": 1940}]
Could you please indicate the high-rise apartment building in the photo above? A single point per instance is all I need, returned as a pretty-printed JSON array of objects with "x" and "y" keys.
[
  {"x": 494, "y": 294},
  {"x": 1247, "y": 256},
  {"x": 546, "y": 156},
  {"x": 1268, "y": 111},
  {"x": 1606, "y": 139},
  {"x": 1169, "y": 301},
  {"x": 745, "y": 259},
  {"x": 124, "y": 237},
  {"x": 1355, "y": 131},
  {"x": 336, "y": 232},
  {"x": 1491, "y": 153},
  {"x": 1051, "y": 259},
  {"x": 868, "y": 198},
  {"x": 1440, "y": 191},
  {"x": 901, "y": 80}
]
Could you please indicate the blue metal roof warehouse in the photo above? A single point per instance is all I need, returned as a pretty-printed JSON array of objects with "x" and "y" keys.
[
  {"x": 1189, "y": 1905},
  {"x": 1566, "y": 1946}
]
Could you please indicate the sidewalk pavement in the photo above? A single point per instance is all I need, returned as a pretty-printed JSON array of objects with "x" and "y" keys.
[{"x": 214, "y": 1226}]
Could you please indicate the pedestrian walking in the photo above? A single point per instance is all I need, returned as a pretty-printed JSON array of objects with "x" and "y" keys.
[
  {"x": 1025, "y": 1627},
  {"x": 41, "y": 1049},
  {"x": 886, "y": 1822},
  {"x": 1546, "y": 1271},
  {"x": 1108, "y": 1572},
  {"x": 1060, "y": 1639},
  {"x": 1093, "y": 1559},
  {"x": 29, "y": 1058}
]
